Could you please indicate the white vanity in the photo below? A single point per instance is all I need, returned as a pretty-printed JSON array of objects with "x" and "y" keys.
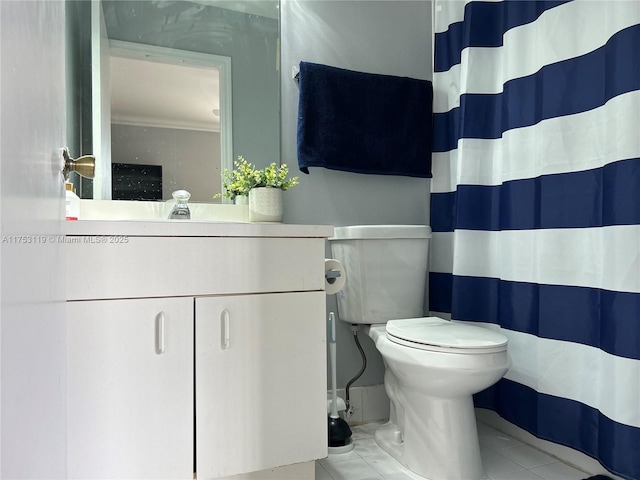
[{"x": 195, "y": 347}]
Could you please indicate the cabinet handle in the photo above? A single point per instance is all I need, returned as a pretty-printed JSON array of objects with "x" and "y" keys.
[
  {"x": 160, "y": 333},
  {"x": 225, "y": 333}
]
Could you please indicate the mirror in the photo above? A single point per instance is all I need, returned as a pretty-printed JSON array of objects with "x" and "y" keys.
[
  {"x": 231, "y": 51},
  {"x": 171, "y": 122}
]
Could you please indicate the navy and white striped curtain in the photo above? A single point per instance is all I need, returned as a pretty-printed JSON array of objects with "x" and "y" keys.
[{"x": 536, "y": 209}]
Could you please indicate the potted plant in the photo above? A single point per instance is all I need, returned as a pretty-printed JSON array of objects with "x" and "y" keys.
[
  {"x": 263, "y": 187},
  {"x": 274, "y": 177},
  {"x": 239, "y": 181}
]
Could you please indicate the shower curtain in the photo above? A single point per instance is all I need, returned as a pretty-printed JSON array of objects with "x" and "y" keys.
[{"x": 536, "y": 209}]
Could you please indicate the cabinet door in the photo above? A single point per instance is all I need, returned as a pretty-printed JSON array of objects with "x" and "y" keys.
[
  {"x": 260, "y": 382},
  {"x": 130, "y": 388}
]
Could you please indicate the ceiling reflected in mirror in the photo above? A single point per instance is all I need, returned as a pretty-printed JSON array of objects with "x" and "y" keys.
[{"x": 164, "y": 95}]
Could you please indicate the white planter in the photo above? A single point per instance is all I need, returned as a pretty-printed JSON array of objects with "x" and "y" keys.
[
  {"x": 265, "y": 204},
  {"x": 241, "y": 200}
]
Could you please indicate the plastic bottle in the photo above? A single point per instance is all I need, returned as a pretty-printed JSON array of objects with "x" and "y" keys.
[{"x": 72, "y": 203}]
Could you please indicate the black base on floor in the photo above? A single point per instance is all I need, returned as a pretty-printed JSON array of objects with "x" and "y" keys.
[{"x": 339, "y": 432}]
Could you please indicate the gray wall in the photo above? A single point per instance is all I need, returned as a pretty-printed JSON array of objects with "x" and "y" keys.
[
  {"x": 386, "y": 37},
  {"x": 190, "y": 159}
]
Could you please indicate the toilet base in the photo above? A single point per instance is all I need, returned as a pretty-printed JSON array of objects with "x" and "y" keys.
[{"x": 440, "y": 446}]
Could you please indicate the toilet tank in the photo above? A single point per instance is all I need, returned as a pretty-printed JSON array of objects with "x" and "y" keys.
[{"x": 386, "y": 270}]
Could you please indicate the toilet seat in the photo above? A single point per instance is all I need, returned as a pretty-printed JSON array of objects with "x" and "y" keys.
[{"x": 438, "y": 335}]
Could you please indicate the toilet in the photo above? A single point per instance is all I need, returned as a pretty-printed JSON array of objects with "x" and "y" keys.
[{"x": 432, "y": 366}]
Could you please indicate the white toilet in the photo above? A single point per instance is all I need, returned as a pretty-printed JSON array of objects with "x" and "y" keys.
[{"x": 433, "y": 366}]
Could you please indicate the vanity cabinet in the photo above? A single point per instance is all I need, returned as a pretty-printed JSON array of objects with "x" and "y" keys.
[
  {"x": 130, "y": 388},
  {"x": 195, "y": 347},
  {"x": 252, "y": 380}
]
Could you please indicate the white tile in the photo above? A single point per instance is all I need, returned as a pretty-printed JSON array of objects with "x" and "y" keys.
[
  {"x": 359, "y": 432},
  {"x": 559, "y": 471},
  {"x": 367, "y": 446},
  {"x": 321, "y": 473},
  {"x": 496, "y": 464},
  {"x": 373, "y": 426},
  {"x": 566, "y": 455},
  {"x": 384, "y": 464},
  {"x": 389, "y": 468},
  {"x": 297, "y": 471},
  {"x": 339, "y": 457},
  {"x": 519, "y": 475},
  {"x": 356, "y": 469},
  {"x": 513, "y": 460},
  {"x": 527, "y": 456},
  {"x": 402, "y": 476},
  {"x": 375, "y": 403},
  {"x": 484, "y": 429},
  {"x": 492, "y": 439}
]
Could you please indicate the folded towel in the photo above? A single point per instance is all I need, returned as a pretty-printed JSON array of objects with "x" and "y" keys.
[{"x": 364, "y": 122}]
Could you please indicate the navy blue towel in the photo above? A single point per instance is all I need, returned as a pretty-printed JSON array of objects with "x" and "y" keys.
[{"x": 364, "y": 122}]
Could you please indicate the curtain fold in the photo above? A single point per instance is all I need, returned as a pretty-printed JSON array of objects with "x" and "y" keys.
[{"x": 535, "y": 209}]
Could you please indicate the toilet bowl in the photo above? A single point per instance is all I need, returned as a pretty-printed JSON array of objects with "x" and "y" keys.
[
  {"x": 432, "y": 427},
  {"x": 432, "y": 366}
]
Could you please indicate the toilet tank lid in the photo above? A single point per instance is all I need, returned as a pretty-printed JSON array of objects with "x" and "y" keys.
[{"x": 361, "y": 232}]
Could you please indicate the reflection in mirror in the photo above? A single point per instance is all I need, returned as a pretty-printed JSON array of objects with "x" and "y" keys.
[
  {"x": 170, "y": 121},
  {"x": 246, "y": 32}
]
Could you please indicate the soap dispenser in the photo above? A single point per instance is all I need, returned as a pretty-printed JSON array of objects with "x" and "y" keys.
[{"x": 72, "y": 202}]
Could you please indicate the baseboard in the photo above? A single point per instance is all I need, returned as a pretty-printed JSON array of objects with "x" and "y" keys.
[{"x": 565, "y": 454}]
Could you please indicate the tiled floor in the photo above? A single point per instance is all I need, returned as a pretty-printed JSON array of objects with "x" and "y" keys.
[{"x": 504, "y": 458}]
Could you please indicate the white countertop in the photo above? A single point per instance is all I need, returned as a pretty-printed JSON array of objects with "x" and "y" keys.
[{"x": 193, "y": 228}]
